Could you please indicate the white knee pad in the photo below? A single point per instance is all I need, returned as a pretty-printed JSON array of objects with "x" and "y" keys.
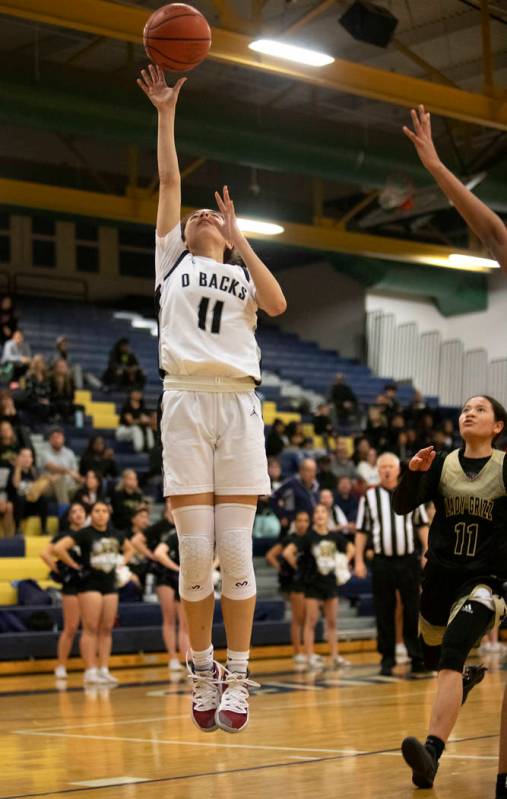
[
  {"x": 195, "y": 525},
  {"x": 233, "y": 535}
]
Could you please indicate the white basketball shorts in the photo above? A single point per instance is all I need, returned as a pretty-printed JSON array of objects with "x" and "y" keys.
[{"x": 213, "y": 442}]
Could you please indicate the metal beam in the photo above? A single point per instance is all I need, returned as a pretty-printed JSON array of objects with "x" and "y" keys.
[
  {"x": 309, "y": 16},
  {"x": 124, "y": 22},
  {"x": 138, "y": 207}
]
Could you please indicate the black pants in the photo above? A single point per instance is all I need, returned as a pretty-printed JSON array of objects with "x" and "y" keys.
[{"x": 398, "y": 573}]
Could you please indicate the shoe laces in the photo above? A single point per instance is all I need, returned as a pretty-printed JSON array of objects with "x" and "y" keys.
[
  {"x": 205, "y": 686},
  {"x": 236, "y": 693}
]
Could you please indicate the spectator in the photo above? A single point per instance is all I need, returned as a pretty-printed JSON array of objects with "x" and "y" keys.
[
  {"x": 62, "y": 392},
  {"x": 293, "y": 454},
  {"x": 99, "y": 459},
  {"x": 297, "y": 493},
  {"x": 322, "y": 424},
  {"x": 425, "y": 430},
  {"x": 336, "y": 517},
  {"x": 9, "y": 445},
  {"x": 8, "y": 412},
  {"x": 8, "y": 319},
  {"x": 343, "y": 466},
  {"x": 391, "y": 402},
  {"x": 325, "y": 475},
  {"x": 376, "y": 428},
  {"x": 38, "y": 391},
  {"x": 22, "y": 491},
  {"x": 361, "y": 449},
  {"x": 7, "y": 526},
  {"x": 368, "y": 469},
  {"x": 276, "y": 440},
  {"x": 60, "y": 464},
  {"x": 275, "y": 473},
  {"x": 135, "y": 423},
  {"x": 90, "y": 492},
  {"x": 346, "y": 500},
  {"x": 75, "y": 370},
  {"x": 450, "y": 435},
  {"x": 415, "y": 408},
  {"x": 17, "y": 354},
  {"x": 396, "y": 425},
  {"x": 123, "y": 367},
  {"x": 343, "y": 399},
  {"x": 125, "y": 500}
]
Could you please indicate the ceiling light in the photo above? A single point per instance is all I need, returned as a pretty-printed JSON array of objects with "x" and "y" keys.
[
  {"x": 290, "y": 52},
  {"x": 466, "y": 261},
  {"x": 256, "y": 226}
]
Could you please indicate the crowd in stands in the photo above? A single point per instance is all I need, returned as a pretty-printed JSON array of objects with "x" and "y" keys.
[{"x": 37, "y": 394}]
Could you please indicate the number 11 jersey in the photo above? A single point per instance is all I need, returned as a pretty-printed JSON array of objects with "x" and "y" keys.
[{"x": 207, "y": 314}]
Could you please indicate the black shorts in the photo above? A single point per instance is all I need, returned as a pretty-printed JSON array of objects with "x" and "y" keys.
[
  {"x": 100, "y": 582},
  {"x": 320, "y": 591},
  {"x": 442, "y": 588},
  {"x": 169, "y": 579},
  {"x": 70, "y": 589}
]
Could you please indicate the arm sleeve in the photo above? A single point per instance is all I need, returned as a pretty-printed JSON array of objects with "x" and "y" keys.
[
  {"x": 417, "y": 488},
  {"x": 168, "y": 249}
]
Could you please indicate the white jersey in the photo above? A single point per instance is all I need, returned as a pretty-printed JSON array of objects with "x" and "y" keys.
[{"x": 207, "y": 314}]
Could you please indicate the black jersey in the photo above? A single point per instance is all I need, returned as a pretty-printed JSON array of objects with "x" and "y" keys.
[
  {"x": 469, "y": 530},
  {"x": 157, "y": 533},
  {"x": 287, "y": 575},
  {"x": 99, "y": 551},
  {"x": 66, "y": 574},
  {"x": 318, "y": 557}
]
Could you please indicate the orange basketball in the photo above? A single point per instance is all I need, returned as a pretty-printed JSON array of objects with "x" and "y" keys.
[{"x": 177, "y": 37}]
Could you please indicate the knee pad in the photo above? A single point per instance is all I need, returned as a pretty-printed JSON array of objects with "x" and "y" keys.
[
  {"x": 466, "y": 628},
  {"x": 233, "y": 534},
  {"x": 196, "y": 534}
]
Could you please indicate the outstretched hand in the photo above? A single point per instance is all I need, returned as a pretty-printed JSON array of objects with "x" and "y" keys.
[
  {"x": 421, "y": 137},
  {"x": 229, "y": 228},
  {"x": 154, "y": 85},
  {"x": 422, "y": 460}
]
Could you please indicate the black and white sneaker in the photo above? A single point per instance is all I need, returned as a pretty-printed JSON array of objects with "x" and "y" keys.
[
  {"x": 472, "y": 675},
  {"x": 421, "y": 760}
]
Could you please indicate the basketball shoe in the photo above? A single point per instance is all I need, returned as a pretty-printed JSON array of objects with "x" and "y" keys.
[
  {"x": 206, "y": 694},
  {"x": 232, "y": 714}
]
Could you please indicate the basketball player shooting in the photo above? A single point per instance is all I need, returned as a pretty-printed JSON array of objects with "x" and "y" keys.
[{"x": 211, "y": 418}]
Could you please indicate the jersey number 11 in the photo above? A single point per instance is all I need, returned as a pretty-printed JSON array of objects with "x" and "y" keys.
[{"x": 216, "y": 316}]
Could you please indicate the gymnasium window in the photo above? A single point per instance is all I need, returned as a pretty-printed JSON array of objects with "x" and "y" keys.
[
  {"x": 87, "y": 247},
  {"x": 136, "y": 253},
  {"x": 43, "y": 241}
]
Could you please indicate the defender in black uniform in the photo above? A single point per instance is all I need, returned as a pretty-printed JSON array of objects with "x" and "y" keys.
[
  {"x": 462, "y": 593},
  {"x": 102, "y": 552},
  {"x": 69, "y": 579},
  {"x": 290, "y": 581}
]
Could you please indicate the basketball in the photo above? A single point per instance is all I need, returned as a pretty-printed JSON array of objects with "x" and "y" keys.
[{"x": 177, "y": 37}]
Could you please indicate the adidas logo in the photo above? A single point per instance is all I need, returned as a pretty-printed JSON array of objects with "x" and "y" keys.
[{"x": 467, "y": 609}]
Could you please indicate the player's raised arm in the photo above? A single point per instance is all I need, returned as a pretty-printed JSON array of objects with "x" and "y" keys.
[
  {"x": 269, "y": 294},
  {"x": 164, "y": 98},
  {"x": 482, "y": 220}
]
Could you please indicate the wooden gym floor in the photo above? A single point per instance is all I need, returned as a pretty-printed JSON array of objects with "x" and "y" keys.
[{"x": 330, "y": 735}]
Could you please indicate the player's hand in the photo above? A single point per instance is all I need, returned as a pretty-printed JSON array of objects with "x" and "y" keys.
[
  {"x": 229, "y": 228},
  {"x": 422, "y": 460},
  {"x": 154, "y": 85},
  {"x": 421, "y": 137},
  {"x": 360, "y": 570}
]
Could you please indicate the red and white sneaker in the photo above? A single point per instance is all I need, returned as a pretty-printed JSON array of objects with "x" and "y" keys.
[
  {"x": 232, "y": 714},
  {"x": 206, "y": 694}
]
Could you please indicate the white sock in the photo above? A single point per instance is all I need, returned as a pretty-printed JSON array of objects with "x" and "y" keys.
[
  {"x": 238, "y": 661},
  {"x": 103, "y": 670},
  {"x": 203, "y": 661}
]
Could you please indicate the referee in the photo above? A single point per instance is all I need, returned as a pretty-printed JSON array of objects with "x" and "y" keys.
[{"x": 395, "y": 564}]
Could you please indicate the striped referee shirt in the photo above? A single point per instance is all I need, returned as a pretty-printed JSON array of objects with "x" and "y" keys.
[{"x": 391, "y": 534}]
